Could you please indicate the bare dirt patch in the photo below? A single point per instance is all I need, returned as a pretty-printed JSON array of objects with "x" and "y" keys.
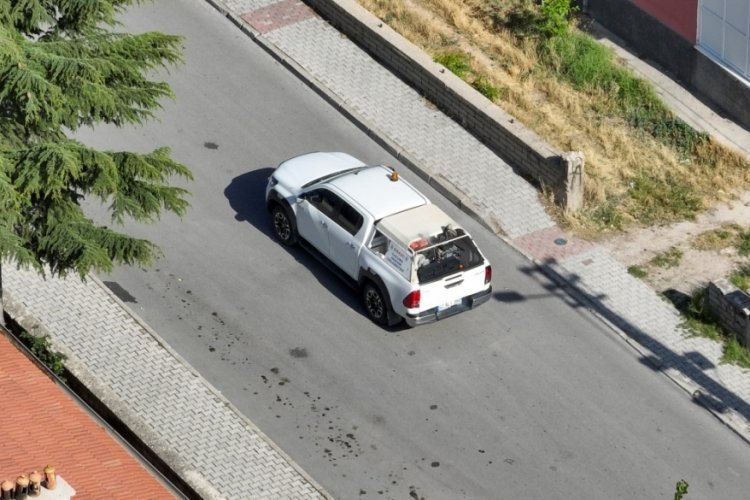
[{"x": 639, "y": 246}]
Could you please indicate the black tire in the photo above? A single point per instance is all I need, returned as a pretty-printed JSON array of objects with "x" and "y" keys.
[
  {"x": 375, "y": 303},
  {"x": 283, "y": 225}
]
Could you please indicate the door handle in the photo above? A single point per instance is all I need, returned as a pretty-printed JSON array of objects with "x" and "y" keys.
[
  {"x": 351, "y": 245},
  {"x": 323, "y": 222}
]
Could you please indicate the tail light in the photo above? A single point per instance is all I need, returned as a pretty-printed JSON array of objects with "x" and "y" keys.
[
  {"x": 411, "y": 301},
  {"x": 487, "y": 274}
]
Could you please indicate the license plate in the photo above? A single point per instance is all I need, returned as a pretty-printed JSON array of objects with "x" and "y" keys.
[{"x": 448, "y": 305}]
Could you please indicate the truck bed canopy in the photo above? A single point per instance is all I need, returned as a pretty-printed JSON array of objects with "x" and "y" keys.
[{"x": 414, "y": 224}]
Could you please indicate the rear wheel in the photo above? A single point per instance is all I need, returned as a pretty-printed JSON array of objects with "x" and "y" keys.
[
  {"x": 283, "y": 225},
  {"x": 375, "y": 303}
]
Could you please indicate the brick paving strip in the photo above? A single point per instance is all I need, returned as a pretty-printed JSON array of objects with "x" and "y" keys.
[{"x": 165, "y": 402}]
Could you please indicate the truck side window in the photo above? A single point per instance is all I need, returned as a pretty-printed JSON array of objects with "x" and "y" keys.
[
  {"x": 379, "y": 242},
  {"x": 313, "y": 197},
  {"x": 328, "y": 203},
  {"x": 323, "y": 200},
  {"x": 349, "y": 218}
]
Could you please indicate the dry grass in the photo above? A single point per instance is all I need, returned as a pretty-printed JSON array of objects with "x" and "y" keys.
[
  {"x": 726, "y": 236},
  {"x": 629, "y": 173}
]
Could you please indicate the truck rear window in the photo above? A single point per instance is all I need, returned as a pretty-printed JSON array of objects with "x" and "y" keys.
[{"x": 444, "y": 259}]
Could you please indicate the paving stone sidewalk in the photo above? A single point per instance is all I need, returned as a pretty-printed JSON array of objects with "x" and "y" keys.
[{"x": 167, "y": 404}]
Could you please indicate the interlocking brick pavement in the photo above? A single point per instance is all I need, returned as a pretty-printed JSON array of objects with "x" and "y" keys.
[
  {"x": 551, "y": 244},
  {"x": 242, "y": 6},
  {"x": 278, "y": 15}
]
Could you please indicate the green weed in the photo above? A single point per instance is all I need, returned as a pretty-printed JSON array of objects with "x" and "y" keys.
[
  {"x": 740, "y": 277},
  {"x": 700, "y": 322},
  {"x": 608, "y": 215},
  {"x": 657, "y": 200},
  {"x": 735, "y": 353},
  {"x": 588, "y": 66},
  {"x": 743, "y": 246},
  {"x": 555, "y": 16},
  {"x": 663, "y": 126},
  {"x": 668, "y": 258},
  {"x": 582, "y": 62},
  {"x": 699, "y": 328},
  {"x": 484, "y": 87},
  {"x": 728, "y": 235},
  {"x": 637, "y": 271},
  {"x": 681, "y": 489},
  {"x": 545, "y": 19},
  {"x": 41, "y": 348},
  {"x": 457, "y": 62}
]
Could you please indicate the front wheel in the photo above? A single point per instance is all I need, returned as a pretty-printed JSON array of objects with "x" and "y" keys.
[
  {"x": 375, "y": 304},
  {"x": 283, "y": 225}
]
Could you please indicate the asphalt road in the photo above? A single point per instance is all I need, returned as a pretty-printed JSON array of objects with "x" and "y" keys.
[{"x": 529, "y": 396}]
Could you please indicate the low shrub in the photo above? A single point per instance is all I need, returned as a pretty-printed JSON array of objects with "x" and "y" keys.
[
  {"x": 484, "y": 87},
  {"x": 457, "y": 62},
  {"x": 667, "y": 259}
]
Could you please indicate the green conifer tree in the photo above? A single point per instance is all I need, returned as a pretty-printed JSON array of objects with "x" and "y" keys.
[{"x": 64, "y": 66}]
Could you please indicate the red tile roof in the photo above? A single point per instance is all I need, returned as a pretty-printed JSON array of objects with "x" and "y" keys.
[{"x": 40, "y": 424}]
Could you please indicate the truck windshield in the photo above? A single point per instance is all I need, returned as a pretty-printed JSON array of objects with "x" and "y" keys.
[{"x": 449, "y": 257}]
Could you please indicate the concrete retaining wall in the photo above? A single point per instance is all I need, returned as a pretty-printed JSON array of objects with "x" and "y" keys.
[
  {"x": 526, "y": 152},
  {"x": 731, "y": 306},
  {"x": 653, "y": 40}
]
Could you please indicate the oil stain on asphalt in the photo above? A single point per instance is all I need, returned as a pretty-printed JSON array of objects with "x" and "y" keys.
[{"x": 298, "y": 352}]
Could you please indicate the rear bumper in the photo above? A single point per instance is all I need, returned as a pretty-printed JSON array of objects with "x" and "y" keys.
[{"x": 431, "y": 315}]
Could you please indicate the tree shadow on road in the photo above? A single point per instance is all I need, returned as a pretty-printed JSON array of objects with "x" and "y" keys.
[{"x": 712, "y": 394}]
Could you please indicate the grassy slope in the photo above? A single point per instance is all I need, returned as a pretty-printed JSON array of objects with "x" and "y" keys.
[{"x": 642, "y": 165}]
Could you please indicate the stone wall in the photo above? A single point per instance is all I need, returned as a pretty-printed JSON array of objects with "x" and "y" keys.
[
  {"x": 526, "y": 152},
  {"x": 731, "y": 306}
]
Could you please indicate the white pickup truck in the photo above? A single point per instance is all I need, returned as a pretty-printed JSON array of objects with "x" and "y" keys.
[{"x": 408, "y": 259}]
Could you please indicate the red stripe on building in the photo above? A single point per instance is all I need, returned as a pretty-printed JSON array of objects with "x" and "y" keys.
[{"x": 680, "y": 15}]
